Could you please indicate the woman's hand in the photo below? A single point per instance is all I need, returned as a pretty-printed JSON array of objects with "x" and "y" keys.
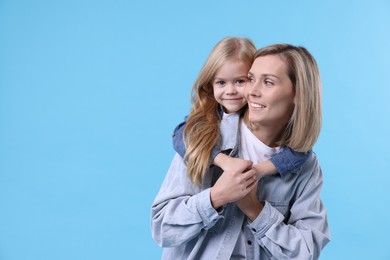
[
  {"x": 233, "y": 185},
  {"x": 250, "y": 204}
]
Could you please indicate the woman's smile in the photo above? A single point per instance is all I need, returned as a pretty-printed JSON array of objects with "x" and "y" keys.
[{"x": 256, "y": 105}]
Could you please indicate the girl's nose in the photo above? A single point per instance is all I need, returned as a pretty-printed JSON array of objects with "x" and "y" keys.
[{"x": 231, "y": 89}]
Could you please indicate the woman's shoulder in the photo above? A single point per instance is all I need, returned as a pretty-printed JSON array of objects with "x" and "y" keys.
[
  {"x": 311, "y": 168},
  {"x": 311, "y": 161}
]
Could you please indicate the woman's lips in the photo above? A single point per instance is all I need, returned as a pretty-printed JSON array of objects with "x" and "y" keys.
[{"x": 257, "y": 105}]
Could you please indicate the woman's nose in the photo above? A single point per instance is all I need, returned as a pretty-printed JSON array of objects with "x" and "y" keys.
[{"x": 253, "y": 89}]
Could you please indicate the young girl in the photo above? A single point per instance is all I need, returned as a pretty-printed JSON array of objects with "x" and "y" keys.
[{"x": 218, "y": 100}]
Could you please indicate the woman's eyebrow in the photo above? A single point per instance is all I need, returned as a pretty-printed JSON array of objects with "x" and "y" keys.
[
  {"x": 264, "y": 75},
  {"x": 270, "y": 75}
]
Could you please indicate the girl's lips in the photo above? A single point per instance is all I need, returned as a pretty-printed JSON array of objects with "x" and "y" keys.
[{"x": 233, "y": 98}]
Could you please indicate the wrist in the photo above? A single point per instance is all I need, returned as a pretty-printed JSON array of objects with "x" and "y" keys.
[
  {"x": 220, "y": 159},
  {"x": 265, "y": 168},
  {"x": 255, "y": 211},
  {"x": 216, "y": 200}
]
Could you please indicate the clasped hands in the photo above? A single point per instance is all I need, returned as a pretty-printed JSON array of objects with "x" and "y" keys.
[{"x": 238, "y": 184}]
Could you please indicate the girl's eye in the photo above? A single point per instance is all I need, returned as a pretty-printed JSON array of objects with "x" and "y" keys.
[
  {"x": 220, "y": 82},
  {"x": 240, "y": 82},
  {"x": 251, "y": 79}
]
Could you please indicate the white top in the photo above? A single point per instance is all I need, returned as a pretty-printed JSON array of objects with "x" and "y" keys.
[{"x": 252, "y": 148}]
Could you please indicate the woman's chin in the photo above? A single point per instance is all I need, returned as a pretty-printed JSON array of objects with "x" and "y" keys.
[{"x": 254, "y": 120}]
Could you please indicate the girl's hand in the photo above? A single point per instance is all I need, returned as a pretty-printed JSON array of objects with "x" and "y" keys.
[
  {"x": 228, "y": 163},
  {"x": 264, "y": 168},
  {"x": 233, "y": 185}
]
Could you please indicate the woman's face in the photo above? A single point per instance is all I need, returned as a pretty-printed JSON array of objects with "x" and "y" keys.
[{"x": 269, "y": 93}]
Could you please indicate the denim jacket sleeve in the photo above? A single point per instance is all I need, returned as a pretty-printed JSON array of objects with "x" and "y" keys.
[
  {"x": 180, "y": 211},
  {"x": 177, "y": 138},
  {"x": 178, "y": 142},
  {"x": 305, "y": 232},
  {"x": 288, "y": 160}
]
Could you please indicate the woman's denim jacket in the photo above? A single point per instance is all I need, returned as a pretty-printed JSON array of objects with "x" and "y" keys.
[{"x": 292, "y": 225}]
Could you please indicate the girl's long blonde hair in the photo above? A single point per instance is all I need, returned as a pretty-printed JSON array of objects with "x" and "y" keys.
[
  {"x": 201, "y": 132},
  {"x": 304, "y": 126}
]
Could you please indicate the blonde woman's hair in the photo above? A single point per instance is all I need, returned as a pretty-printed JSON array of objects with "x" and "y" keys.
[
  {"x": 304, "y": 126},
  {"x": 201, "y": 132}
]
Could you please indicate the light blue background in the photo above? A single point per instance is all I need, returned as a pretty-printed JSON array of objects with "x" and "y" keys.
[{"x": 90, "y": 92}]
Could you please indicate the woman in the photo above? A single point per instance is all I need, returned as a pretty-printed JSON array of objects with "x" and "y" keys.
[{"x": 229, "y": 217}]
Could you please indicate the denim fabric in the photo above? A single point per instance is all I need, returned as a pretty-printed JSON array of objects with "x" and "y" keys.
[
  {"x": 177, "y": 138},
  {"x": 178, "y": 142},
  {"x": 286, "y": 161}
]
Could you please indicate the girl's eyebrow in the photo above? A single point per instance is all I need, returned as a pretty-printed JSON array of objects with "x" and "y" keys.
[{"x": 238, "y": 77}]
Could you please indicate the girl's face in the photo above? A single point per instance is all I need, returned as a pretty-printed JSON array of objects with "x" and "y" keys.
[
  {"x": 269, "y": 93},
  {"x": 228, "y": 85}
]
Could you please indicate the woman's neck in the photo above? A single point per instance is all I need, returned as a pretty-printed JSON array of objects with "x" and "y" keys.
[{"x": 269, "y": 135}]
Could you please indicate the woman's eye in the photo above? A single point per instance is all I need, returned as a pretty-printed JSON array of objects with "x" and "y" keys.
[
  {"x": 268, "y": 82},
  {"x": 251, "y": 79},
  {"x": 240, "y": 82}
]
